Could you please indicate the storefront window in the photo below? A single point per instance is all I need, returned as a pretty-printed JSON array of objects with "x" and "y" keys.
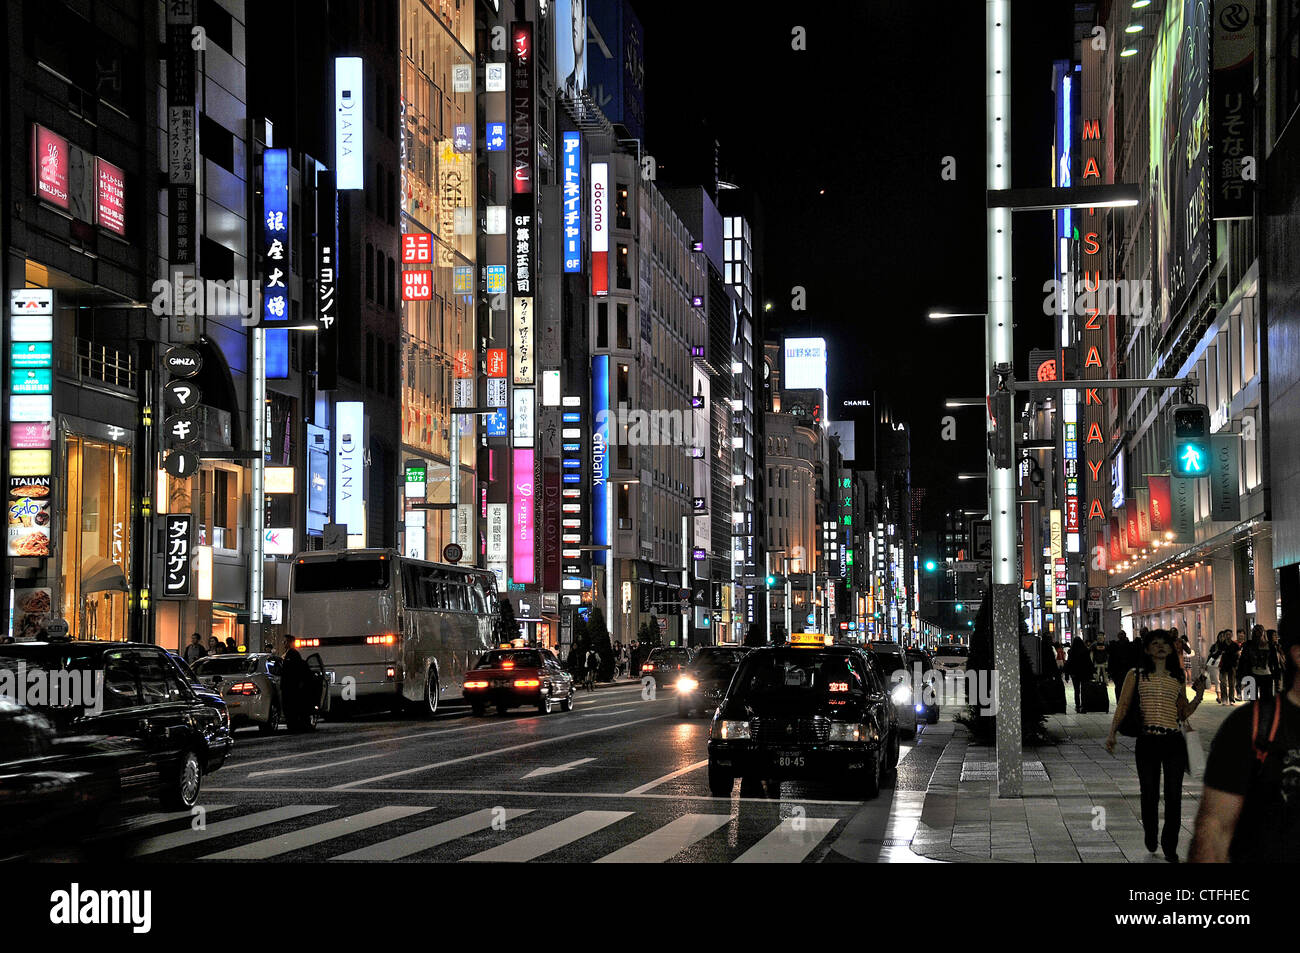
[{"x": 96, "y": 538}]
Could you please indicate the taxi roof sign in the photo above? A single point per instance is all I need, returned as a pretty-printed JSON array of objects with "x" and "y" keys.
[{"x": 810, "y": 639}]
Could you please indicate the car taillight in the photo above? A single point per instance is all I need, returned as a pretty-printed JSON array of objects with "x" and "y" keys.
[
  {"x": 527, "y": 683},
  {"x": 647, "y": 667},
  {"x": 389, "y": 639},
  {"x": 305, "y": 643},
  {"x": 476, "y": 684},
  {"x": 507, "y": 664},
  {"x": 245, "y": 688}
]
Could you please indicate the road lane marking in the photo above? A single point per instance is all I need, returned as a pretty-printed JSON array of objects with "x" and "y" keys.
[
  {"x": 317, "y": 767},
  {"x": 668, "y": 777},
  {"x": 786, "y": 845},
  {"x": 421, "y": 734},
  {"x": 555, "y": 769},
  {"x": 316, "y": 834},
  {"x": 668, "y": 841},
  {"x": 489, "y": 754},
  {"x": 458, "y": 792},
  {"x": 553, "y": 837},
  {"x": 426, "y": 838},
  {"x": 235, "y": 825}
]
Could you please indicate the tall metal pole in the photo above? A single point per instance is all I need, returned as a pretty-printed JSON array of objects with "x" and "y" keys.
[
  {"x": 767, "y": 595},
  {"x": 257, "y": 423},
  {"x": 453, "y": 432},
  {"x": 998, "y": 341}
]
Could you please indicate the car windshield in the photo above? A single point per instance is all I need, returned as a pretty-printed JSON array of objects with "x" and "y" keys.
[
  {"x": 951, "y": 650},
  {"x": 221, "y": 665},
  {"x": 671, "y": 656},
  {"x": 510, "y": 659},
  {"x": 889, "y": 662},
  {"x": 801, "y": 672}
]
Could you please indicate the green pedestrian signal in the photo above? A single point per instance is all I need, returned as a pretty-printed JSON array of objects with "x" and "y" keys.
[
  {"x": 1191, "y": 443},
  {"x": 931, "y": 565},
  {"x": 771, "y": 582}
]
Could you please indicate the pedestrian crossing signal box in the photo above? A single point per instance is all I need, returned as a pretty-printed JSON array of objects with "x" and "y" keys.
[{"x": 1191, "y": 443}]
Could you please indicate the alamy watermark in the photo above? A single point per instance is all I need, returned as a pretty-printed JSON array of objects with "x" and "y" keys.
[
  {"x": 1093, "y": 295},
  {"x": 192, "y": 297},
  {"x": 934, "y": 687},
  {"x": 44, "y": 688},
  {"x": 651, "y": 428}
]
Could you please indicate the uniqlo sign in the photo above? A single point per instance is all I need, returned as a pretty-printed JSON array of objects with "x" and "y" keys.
[
  {"x": 417, "y": 286},
  {"x": 417, "y": 249}
]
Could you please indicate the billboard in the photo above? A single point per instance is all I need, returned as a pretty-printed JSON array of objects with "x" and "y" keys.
[
  {"x": 805, "y": 364},
  {"x": 349, "y": 157},
  {"x": 49, "y": 166},
  {"x": 599, "y": 228},
  {"x": 572, "y": 185},
  {"x": 1232, "y": 116},
  {"x": 599, "y": 454},
  {"x": 349, "y": 504},
  {"x": 1178, "y": 107},
  {"x": 522, "y": 544},
  {"x": 616, "y": 67},
  {"x": 571, "y": 47}
]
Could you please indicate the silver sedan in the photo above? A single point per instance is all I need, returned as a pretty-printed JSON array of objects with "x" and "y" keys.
[{"x": 250, "y": 685}]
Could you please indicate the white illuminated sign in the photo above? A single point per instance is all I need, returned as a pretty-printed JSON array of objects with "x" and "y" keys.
[
  {"x": 550, "y": 388},
  {"x": 349, "y": 449},
  {"x": 523, "y": 418},
  {"x": 349, "y": 120},
  {"x": 278, "y": 541},
  {"x": 805, "y": 364}
]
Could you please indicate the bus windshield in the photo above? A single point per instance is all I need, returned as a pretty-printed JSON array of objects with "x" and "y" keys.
[{"x": 342, "y": 575}]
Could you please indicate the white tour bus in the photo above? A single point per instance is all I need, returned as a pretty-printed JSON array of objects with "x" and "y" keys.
[{"x": 389, "y": 627}]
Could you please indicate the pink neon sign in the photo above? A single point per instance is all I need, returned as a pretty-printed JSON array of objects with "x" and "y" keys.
[{"x": 521, "y": 518}]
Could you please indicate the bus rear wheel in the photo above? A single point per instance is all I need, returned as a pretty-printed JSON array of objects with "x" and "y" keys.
[{"x": 431, "y": 693}]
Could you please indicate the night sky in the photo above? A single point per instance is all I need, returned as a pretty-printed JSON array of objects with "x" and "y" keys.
[{"x": 866, "y": 113}]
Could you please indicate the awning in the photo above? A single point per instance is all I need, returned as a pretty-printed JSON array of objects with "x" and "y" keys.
[{"x": 99, "y": 574}]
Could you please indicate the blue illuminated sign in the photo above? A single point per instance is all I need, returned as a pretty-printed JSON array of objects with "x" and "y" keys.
[
  {"x": 496, "y": 137},
  {"x": 572, "y": 157},
  {"x": 496, "y": 423},
  {"x": 275, "y": 265},
  {"x": 599, "y": 449},
  {"x": 461, "y": 140},
  {"x": 496, "y": 279}
]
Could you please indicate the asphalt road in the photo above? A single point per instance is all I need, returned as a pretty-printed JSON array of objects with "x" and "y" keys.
[{"x": 619, "y": 779}]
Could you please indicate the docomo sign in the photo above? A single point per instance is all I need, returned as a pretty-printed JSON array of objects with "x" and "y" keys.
[
  {"x": 522, "y": 530},
  {"x": 599, "y": 228}
]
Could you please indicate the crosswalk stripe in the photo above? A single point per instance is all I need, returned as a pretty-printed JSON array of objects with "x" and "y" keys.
[
  {"x": 425, "y": 838},
  {"x": 163, "y": 842},
  {"x": 551, "y": 838},
  {"x": 785, "y": 845},
  {"x": 140, "y": 822},
  {"x": 316, "y": 834},
  {"x": 669, "y": 840}
]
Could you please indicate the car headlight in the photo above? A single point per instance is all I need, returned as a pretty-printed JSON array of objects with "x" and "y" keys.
[
  {"x": 733, "y": 730},
  {"x": 687, "y": 684},
  {"x": 846, "y": 731},
  {"x": 902, "y": 694}
]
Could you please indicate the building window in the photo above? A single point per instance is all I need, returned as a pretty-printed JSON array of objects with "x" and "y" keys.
[
  {"x": 622, "y": 217},
  {"x": 96, "y": 536},
  {"x": 624, "y": 268},
  {"x": 602, "y": 325},
  {"x": 370, "y": 272}
]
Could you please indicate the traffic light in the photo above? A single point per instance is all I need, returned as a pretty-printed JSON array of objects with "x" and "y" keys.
[
  {"x": 1000, "y": 440},
  {"x": 1191, "y": 445},
  {"x": 931, "y": 565},
  {"x": 771, "y": 580},
  {"x": 960, "y": 607}
]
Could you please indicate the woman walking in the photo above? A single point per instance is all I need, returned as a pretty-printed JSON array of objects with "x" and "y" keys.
[
  {"x": 1080, "y": 668},
  {"x": 1259, "y": 663},
  {"x": 1159, "y": 690}
]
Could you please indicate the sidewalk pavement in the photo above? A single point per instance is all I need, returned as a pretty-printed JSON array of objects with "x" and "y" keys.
[{"x": 1080, "y": 804}]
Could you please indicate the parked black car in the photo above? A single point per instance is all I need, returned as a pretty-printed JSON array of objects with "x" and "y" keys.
[
  {"x": 206, "y": 695},
  {"x": 131, "y": 691},
  {"x": 805, "y": 710}
]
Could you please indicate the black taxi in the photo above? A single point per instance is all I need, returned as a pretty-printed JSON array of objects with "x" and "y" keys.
[
  {"x": 510, "y": 676},
  {"x": 808, "y": 709}
]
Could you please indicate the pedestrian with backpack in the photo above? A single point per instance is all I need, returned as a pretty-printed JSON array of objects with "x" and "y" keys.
[
  {"x": 1250, "y": 808},
  {"x": 1153, "y": 707}
]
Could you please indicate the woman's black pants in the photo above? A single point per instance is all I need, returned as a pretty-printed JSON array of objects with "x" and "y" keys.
[{"x": 1154, "y": 753}]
